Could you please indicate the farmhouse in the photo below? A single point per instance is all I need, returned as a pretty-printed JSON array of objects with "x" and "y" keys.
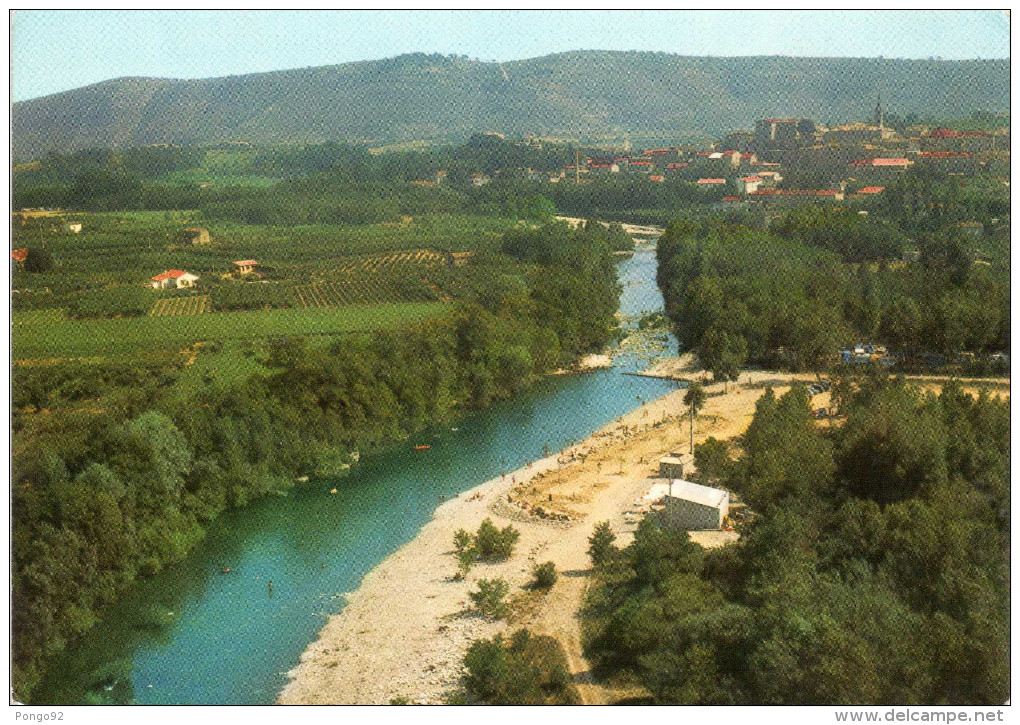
[
  {"x": 18, "y": 256},
  {"x": 711, "y": 182},
  {"x": 196, "y": 236},
  {"x": 693, "y": 507},
  {"x": 246, "y": 266},
  {"x": 174, "y": 279},
  {"x": 72, "y": 227}
]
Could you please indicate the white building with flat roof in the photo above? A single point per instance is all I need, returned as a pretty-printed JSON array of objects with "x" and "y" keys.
[{"x": 693, "y": 507}]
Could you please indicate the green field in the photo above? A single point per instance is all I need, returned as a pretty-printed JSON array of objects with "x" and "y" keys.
[{"x": 92, "y": 338}]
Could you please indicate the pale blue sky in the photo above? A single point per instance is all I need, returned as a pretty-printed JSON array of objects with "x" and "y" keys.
[{"x": 56, "y": 50}]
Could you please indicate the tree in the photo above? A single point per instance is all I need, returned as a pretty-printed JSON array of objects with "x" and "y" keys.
[
  {"x": 600, "y": 544},
  {"x": 723, "y": 354},
  {"x": 38, "y": 260},
  {"x": 694, "y": 398}
]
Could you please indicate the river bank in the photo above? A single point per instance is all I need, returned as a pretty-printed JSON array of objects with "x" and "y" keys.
[{"x": 404, "y": 631}]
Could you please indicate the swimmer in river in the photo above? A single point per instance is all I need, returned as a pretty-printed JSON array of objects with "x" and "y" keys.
[{"x": 270, "y": 588}]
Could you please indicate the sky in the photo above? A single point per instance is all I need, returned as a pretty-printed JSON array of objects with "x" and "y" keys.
[{"x": 57, "y": 50}]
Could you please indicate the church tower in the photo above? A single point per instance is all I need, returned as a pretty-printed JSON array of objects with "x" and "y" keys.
[{"x": 879, "y": 114}]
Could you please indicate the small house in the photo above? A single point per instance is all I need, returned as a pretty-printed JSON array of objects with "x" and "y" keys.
[
  {"x": 693, "y": 507},
  {"x": 18, "y": 256},
  {"x": 174, "y": 279},
  {"x": 72, "y": 227},
  {"x": 245, "y": 266},
  {"x": 195, "y": 236}
]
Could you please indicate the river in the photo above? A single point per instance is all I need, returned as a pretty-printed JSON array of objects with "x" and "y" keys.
[{"x": 196, "y": 635}]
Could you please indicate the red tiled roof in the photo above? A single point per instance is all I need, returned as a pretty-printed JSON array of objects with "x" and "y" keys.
[
  {"x": 169, "y": 274},
  {"x": 640, "y": 163},
  {"x": 711, "y": 181},
  {"x": 19, "y": 255},
  {"x": 703, "y": 153},
  {"x": 676, "y": 165},
  {"x": 794, "y": 192},
  {"x": 751, "y": 178},
  {"x": 871, "y": 190},
  {"x": 247, "y": 263},
  {"x": 732, "y": 198},
  {"x": 655, "y": 177}
]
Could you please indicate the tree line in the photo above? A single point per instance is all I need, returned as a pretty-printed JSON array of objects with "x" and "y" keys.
[
  {"x": 875, "y": 572},
  {"x": 791, "y": 296},
  {"x": 107, "y": 491}
]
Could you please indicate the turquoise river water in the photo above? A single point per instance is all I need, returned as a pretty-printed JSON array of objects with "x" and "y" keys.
[{"x": 195, "y": 635}]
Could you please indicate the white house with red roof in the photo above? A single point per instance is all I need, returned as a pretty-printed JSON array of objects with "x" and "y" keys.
[
  {"x": 174, "y": 279},
  {"x": 748, "y": 184},
  {"x": 245, "y": 266}
]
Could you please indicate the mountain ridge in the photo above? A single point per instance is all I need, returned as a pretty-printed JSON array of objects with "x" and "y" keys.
[{"x": 574, "y": 94}]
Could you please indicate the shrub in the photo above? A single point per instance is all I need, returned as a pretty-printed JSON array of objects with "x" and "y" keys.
[
  {"x": 490, "y": 599},
  {"x": 462, "y": 540},
  {"x": 545, "y": 575},
  {"x": 600, "y": 544},
  {"x": 495, "y": 544},
  {"x": 466, "y": 558},
  {"x": 527, "y": 670}
]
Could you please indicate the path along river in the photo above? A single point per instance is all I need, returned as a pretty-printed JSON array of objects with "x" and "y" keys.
[{"x": 195, "y": 635}]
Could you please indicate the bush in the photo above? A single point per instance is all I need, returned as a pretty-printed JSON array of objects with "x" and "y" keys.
[
  {"x": 495, "y": 544},
  {"x": 462, "y": 540},
  {"x": 527, "y": 670},
  {"x": 545, "y": 575},
  {"x": 490, "y": 599},
  {"x": 600, "y": 544}
]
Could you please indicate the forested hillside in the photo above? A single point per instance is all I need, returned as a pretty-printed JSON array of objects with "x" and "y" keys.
[{"x": 582, "y": 94}]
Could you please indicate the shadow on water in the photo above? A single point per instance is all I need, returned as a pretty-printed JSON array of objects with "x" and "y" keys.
[{"x": 194, "y": 634}]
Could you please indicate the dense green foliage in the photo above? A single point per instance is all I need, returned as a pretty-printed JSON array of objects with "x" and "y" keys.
[
  {"x": 526, "y": 670},
  {"x": 120, "y": 463},
  {"x": 876, "y": 571},
  {"x": 592, "y": 94},
  {"x": 794, "y": 298}
]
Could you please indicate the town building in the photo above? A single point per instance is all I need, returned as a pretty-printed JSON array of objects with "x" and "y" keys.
[
  {"x": 780, "y": 133},
  {"x": 747, "y": 184},
  {"x": 174, "y": 279}
]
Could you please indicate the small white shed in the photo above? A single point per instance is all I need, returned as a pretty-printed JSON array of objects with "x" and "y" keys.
[{"x": 693, "y": 507}]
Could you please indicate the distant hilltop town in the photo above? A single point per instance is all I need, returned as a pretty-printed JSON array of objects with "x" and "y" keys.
[{"x": 792, "y": 160}]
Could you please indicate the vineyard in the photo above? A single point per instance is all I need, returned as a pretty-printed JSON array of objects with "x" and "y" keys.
[
  {"x": 388, "y": 262},
  {"x": 180, "y": 306},
  {"x": 361, "y": 291},
  {"x": 38, "y": 317}
]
